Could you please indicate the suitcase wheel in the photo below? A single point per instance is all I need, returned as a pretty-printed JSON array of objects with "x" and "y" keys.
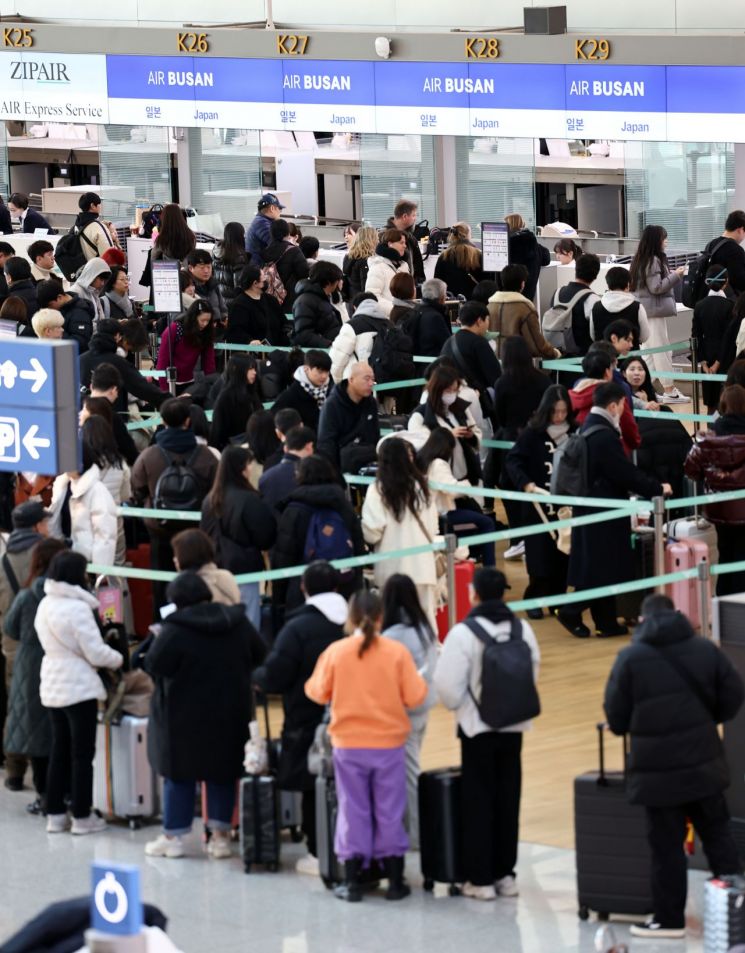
[
  {"x": 429, "y": 885},
  {"x": 454, "y": 890},
  {"x": 603, "y": 915},
  {"x": 328, "y": 883},
  {"x": 135, "y": 823},
  {"x": 583, "y": 913},
  {"x": 296, "y": 835}
]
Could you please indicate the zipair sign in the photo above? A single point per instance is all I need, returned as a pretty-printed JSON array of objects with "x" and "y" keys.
[{"x": 39, "y": 394}]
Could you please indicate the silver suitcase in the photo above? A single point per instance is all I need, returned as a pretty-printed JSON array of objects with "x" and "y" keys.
[
  {"x": 695, "y": 527},
  {"x": 124, "y": 784}
]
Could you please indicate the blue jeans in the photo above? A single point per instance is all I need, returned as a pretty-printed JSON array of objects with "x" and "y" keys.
[
  {"x": 482, "y": 522},
  {"x": 251, "y": 599},
  {"x": 178, "y": 806}
]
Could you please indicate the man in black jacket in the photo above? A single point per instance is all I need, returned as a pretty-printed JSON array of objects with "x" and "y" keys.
[
  {"x": 348, "y": 429},
  {"x": 102, "y": 350},
  {"x": 290, "y": 261},
  {"x": 469, "y": 348},
  {"x": 404, "y": 219},
  {"x": 669, "y": 690},
  {"x": 6, "y": 251},
  {"x": 317, "y": 322},
  {"x": 727, "y": 250},
  {"x": 106, "y": 381},
  {"x": 277, "y": 482},
  {"x": 78, "y": 314},
  {"x": 307, "y": 633},
  {"x": 21, "y": 284},
  {"x": 429, "y": 324},
  {"x": 310, "y": 388}
]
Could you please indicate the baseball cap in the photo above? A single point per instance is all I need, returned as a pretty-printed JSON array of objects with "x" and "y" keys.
[
  {"x": 27, "y": 515},
  {"x": 268, "y": 199}
]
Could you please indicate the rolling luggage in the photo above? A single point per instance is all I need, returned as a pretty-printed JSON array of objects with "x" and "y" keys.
[
  {"x": 612, "y": 852},
  {"x": 440, "y": 828},
  {"x": 695, "y": 527},
  {"x": 686, "y": 554},
  {"x": 327, "y": 808},
  {"x": 724, "y": 914},
  {"x": 124, "y": 784},
  {"x": 141, "y": 591},
  {"x": 463, "y": 576},
  {"x": 259, "y": 822},
  {"x": 628, "y": 604}
]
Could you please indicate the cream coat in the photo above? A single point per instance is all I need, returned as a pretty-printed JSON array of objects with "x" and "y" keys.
[
  {"x": 386, "y": 534},
  {"x": 93, "y": 515},
  {"x": 73, "y": 647},
  {"x": 379, "y": 273}
]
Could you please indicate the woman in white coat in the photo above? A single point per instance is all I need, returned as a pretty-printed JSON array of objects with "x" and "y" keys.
[
  {"x": 387, "y": 261},
  {"x": 355, "y": 340},
  {"x": 399, "y": 513},
  {"x": 71, "y": 688},
  {"x": 100, "y": 445}
]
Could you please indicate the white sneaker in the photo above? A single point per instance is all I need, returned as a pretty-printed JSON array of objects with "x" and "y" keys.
[
  {"x": 674, "y": 396},
  {"x": 219, "y": 846},
  {"x": 163, "y": 846},
  {"x": 656, "y": 931},
  {"x": 507, "y": 887},
  {"x": 516, "y": 552},
  {"x": 487, "y": 892},
  {"x": 58, "y": 823},
  {"x": 308, "y": 865},
  {"x": 93, "y": 824}
]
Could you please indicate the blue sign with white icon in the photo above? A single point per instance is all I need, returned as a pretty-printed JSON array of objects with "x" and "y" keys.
[
  {"x": 116, "y": 903},
  {"x": 39, "y": 393}
]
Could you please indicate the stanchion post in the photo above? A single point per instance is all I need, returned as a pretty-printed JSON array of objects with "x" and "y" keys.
[
  {"x": 694, "y": 368},
  {"x": 704, "y": 597},
  {"x": 451, "y": 544},
  {"x": 659, "y": 539},
  {"x": 171, "y": 377}
]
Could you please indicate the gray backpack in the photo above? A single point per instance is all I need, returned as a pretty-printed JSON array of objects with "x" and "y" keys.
[{"x": 556, "y": 323}]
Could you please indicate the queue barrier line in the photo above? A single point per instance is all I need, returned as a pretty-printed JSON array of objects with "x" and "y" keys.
[
  {"x": 498, "y": 444},
  {"x": 267, "y": 348},
  {"x": 147, "y": 513},
  {"x": 675, "y": 415}
]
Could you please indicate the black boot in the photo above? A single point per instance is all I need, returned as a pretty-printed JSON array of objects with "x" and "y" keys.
[
  {"x": 350, "y": 890},
  {"x": 397, "y": 886}
]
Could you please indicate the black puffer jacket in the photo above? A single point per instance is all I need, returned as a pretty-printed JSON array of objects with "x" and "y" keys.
[
  {"x": 78, "y": 316},
  {"x": 524, "y": 249},
  {"x": 245, "y": 529},
  {"x": 317, "y": 322},
  {"x": 227, "y": 275},
  {"x": 355, "y": 276},
  {"x": 676, "y": 752},
  {"x": 663, "y": 450}
]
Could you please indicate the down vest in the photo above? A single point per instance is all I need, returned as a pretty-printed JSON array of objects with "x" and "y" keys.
[{"x": 720, "y": 462}]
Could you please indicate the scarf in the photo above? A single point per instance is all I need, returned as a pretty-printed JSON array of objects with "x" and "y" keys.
[
  {"x": 385, "y": 251},
  {"x": 121, "y": 301},
  {"x": 602, "y": 412},
  {"x": 492, "y": 609},
  {"x": 558, "y": 432},
  {"x": 319, "y": 394},
  {"x": 401, "y": 303}
]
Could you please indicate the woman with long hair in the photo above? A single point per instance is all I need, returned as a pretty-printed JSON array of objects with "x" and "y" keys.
[
  {"x": 99, "y": 447},
  {"x": 519, "y": 388},
  {"x": 238, "y": 399},
  {"x": 255, "y": 317},
  {"x": 529, "y": 464},
  {"x": 399, "y": 512},
  {"x": 459, "y": 266},
  {"x": 404, "y": 620},
  {"x": 240, "y": 525},
  {"x": 389, "y": 259},
  {"x": 355, "y": 264},
  {"x": 637, "y": 376},
  {"x": 187, "y": 342},
  {"x": 229, "y": 258},
  {"x": 368, "y": 683},
  {"x": 524, "y": 249},
  {"x": 175, "y": 240},
  {"x": 261, "y": 437},
  {"x": 653, "y": 284}
]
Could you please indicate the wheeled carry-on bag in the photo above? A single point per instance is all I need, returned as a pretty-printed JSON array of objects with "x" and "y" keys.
[
  {"x": 259, "y": 838},
  {"x": 440, "y": 828},
  {"x": 124, "y": 784},
  {"x": 327, "y": 808},
  {"x": 724, "y": 914},
  {"x": 612, "y": 852},
  {"x": 686, "y": 554}
]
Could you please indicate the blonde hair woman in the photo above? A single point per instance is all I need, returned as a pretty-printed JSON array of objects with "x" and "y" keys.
[
  {"x": 524, "y": 250},
  {"x": 355, "y": 261},
  {"x": 459, "y": 266}
]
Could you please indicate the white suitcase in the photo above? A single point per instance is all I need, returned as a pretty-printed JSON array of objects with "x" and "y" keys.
[
  {"x": 124, "y": 784},
  {"x": 695, "y": 527}
]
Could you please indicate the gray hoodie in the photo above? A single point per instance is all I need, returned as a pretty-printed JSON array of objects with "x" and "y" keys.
[
  {"x": 82, "y": 287},
  {"x": 423, "y": 648}
]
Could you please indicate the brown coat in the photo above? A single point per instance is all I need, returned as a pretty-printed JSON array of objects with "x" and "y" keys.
[
  {"x": 720, "y": 462},
  {"x": 511, "y": 314}
]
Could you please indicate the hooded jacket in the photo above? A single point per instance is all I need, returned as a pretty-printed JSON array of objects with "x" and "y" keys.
[
  {"x": 382, "y": 266},
  {"x": 73, "y": 647},
  {"x": 94, "y": 268},
  {"x": 78, "y": 314},
  {"x": 581, "y": 396},
  {"x": 355, "y": 340},
  {"x": 93, "y": 515},
  {"x": 512, "y": 314},
  {"x": 317, "y": 322},
  {"x": 308, "y": 632},
  {"x": 102, "y": 350},
  {"x": 422, "y": 643},
  {"x": 343, "y": 422},
  {"x": 292, "y": 266},
  {"x": 719, "y": 460},
  {"x": 18, "y": 550},
  {"x": 202, "y": 663},
  {"x": 676, "y": 752},
  {"x": 615, "y": 305},
  {"x": 25, "y": 289}
]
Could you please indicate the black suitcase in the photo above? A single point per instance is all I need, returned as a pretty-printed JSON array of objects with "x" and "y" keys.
[
  {"x": 327, "y": 808},
  {"x": 440, "y": 828},
  {"x": 259, "y": 820},
  {"x": 612, "y": 853},
  {"x": 628, "y": 604}
]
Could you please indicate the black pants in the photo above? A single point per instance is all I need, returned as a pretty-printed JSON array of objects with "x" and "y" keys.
[
  {"x": 731, "y": 545},
  {"x": 39, "y": 772},
  {"x": 492, "y": 778},
  {"x": 309, "y": 820},
  {"x": 161, "y": 557},
  {"x": 603, "y": 612},
  {"x": 71, "y": 758},
  {"x": 666, "y": 827}
]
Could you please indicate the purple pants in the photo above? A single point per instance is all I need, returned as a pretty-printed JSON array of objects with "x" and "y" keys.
[{"x": 371, "y": 788}]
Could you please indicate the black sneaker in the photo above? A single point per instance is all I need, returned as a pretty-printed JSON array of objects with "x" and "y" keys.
[
  {"x": 656, "y": 931},
  {"x": 14, "y": 784},
  {"x": 578, "y": 629},
  {"x": 613, "y": 631},
  {"x": 534, "y": 613}
]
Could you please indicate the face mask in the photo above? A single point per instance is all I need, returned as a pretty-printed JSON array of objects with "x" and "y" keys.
[{"x": 449, "y": 398}]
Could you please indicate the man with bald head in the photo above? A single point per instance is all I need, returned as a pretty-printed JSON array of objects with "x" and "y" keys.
[{"x": 348, "y": 429}]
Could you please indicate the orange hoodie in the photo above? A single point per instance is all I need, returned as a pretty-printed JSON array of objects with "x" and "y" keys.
[{"x": 369, "y": 695}]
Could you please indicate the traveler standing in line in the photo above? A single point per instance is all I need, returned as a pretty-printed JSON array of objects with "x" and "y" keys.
[
  {"x": 21, "y": 284},
  {"x": 356, "y": 262},
  {"x": 193, "y": 551},
  {"x": 669, "y": 690},
  {"x": 727, "y": 251},
  {"x": 229, "y": 258},
  {"x": 389, "y": 259},
  {"x": 459, "y": 265},
  {"x": 567, "y": 251},
  {"x": 490, "y": 759},
  {"x": 29, "y": 218},
  {"x": 199, "y": 265},
  {"x": 356, "y": 339},
  {"x": 14, "y": 309},
  {"x": 586, "y": 270},
  {"x": 175, "y": 240},
  {"x": 115, "y": 300},
  {"x": 317, "y": 321},
  {"x": 71, "y": 689},
  {"x": 258, "y": 234},
  {"x": 524, "y": 249},
  {"x": 310, "y": 388},
  {"x": 618, "y": 304},
  {"x": 404, "y": 219},
  {"x": 289, "y": 260},
  {"x": 308, "y": 632},
  {"x": 41, "y": 255},
  {"x": 201, "y": 663},
  {"x": 255, "y": 317},
  {"x": 653, "y": 284},
  {"x": 348, "y": 425},
  {"x": 405, "y": 621},
  {"x": 88, "y": 286},
  {"x": 711, "y": 318},
  {"x": 429, "y": 324},
  {"x": 186, "y": 342},
  {"x": 95, "y": 237},
  {"x": 238, "y": 399},
  {"x": 403, "y": 295},
  {"x": 511, "y": 313},
  {"x": 369, "y": 682}
]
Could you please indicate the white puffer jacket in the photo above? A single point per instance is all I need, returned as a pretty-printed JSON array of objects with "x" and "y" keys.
[
  {"x": 73, "y": 647},
  {"x": 379, "y": 273},
  {"x": 93, "y": 515},
  {"x": 348, "y": 346}
]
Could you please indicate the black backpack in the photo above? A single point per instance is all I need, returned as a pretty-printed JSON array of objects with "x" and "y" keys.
[
  {"x": 508, "y": 692},
  {"x": 69, "y": 253},
  {"x": 392, "y": 356},
  {"x": 178, "y": 487},
  {"x": 694, "y": 282},
  {"x": 569, "y": 476}
]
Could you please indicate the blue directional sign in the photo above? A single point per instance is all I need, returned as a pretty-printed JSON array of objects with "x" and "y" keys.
[
  {"x": 39, "y": 392},
  {"x": 116, "y": 904}
]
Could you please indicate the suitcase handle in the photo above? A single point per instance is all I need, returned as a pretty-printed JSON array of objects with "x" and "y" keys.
[{"x": 603, "y": 726}]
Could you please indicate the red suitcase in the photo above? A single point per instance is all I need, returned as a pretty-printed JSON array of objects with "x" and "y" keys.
[
  {"x": 686, "y": 554},
  {"x": 141, "y": 591},
  {"x": 463, "y": 576}
]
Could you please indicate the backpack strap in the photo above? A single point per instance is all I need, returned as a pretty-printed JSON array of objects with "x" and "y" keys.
[
  {"x": 12, "y": 578},
  {"x": 591, "y": 430},
  {"x": 575, "y": 299},
  {"x": 81, "y": 234}
]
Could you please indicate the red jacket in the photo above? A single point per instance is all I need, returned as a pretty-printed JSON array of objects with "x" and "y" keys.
[
  {"x": 581, "y": 397},
  {"x": 185, "y": 356}
]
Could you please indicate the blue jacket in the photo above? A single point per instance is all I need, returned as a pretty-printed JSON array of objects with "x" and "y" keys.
[
  {"x": 258, "y": 238},
  {"x": 276, "y": 483}
]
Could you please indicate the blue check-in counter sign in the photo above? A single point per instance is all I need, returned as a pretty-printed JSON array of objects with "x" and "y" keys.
[{"x": 616, "y": 102}]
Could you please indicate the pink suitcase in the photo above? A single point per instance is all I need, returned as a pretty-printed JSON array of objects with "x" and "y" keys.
[{"x": 686, "y": 554}]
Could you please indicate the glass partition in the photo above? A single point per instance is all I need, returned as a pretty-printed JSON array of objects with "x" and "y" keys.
[
  {"x": 494, "y": 178},
  {"x": 225, "y": 175},
  {"x": 687, "y": 187},
  {"x": 135, "y": 168},
  {"x": 393, "y": 168}
]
